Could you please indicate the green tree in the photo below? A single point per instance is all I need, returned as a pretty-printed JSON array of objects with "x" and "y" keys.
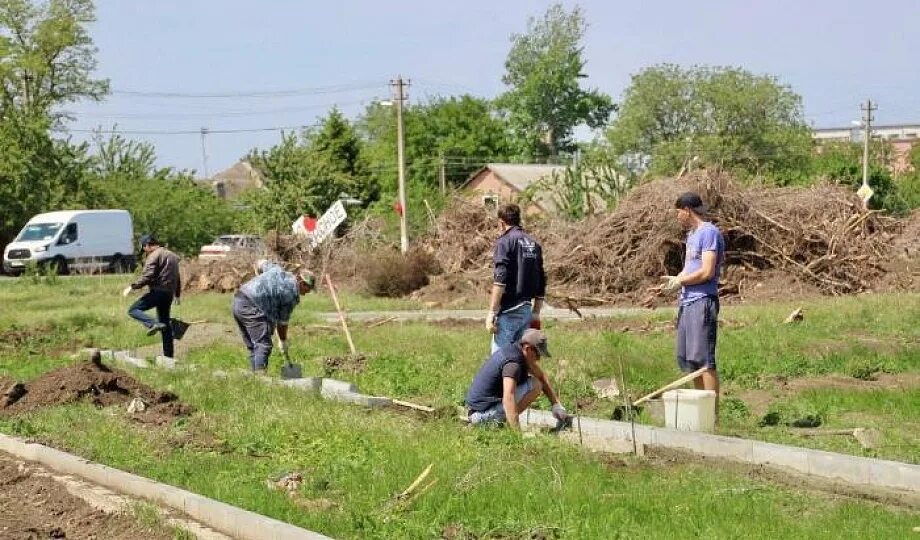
[
  {"x": 182, "y": 213},
  {"x": 305, "y": 173},
  {"x": 842, "y": 163},
  {"x": 37, "y": 172},
  {"x": 464, "y": 131},
  {"x": 46, "y": 55},
  {"x": 726, "y": 118},
  {"x": 544, "y": 69}
]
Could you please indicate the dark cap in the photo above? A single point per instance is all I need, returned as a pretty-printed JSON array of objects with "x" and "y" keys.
[
  {"x": 147, "y": 239},
  {"x": 691, "y": 201},
  {"x": 536, "y": 339}
]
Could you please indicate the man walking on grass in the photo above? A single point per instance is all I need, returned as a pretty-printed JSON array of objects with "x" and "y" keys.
[
  {"x": 263, "y": 306},
  {"x": 509, "y": 382},
  {"x": 519, "y": 281},
  {"x": 161, "y": 276},
  {"x": 698, "y": 314}
]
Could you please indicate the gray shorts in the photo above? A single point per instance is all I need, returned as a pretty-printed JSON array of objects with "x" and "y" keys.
[
  {"x": 496, "y": 413},
  {"x": 697, "y": 326}
]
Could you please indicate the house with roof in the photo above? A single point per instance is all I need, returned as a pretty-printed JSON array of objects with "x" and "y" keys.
[
  {"x": 499, "y": 183},
  {"x": 231, "y": 183}
]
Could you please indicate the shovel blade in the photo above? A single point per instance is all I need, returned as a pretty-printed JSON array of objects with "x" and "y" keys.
[{"x": 291, "y": 371}]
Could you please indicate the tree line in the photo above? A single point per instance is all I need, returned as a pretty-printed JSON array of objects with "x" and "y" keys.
[{"x": 669, "y": 118}]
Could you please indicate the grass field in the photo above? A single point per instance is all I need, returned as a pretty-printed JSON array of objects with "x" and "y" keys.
[{"x": 490, "y": 483}]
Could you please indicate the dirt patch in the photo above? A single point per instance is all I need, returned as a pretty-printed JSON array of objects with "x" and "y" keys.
[
  {"x": 792, "y": 479},
  {"x": 883, "y": 381},
  {"x": 34, "y": 506},
  {"x": 350, "y": 363},
  {"x": 198, "y": 336},
  {"x": 782, "y": 388},
  {"x": 98, "y": 384}
]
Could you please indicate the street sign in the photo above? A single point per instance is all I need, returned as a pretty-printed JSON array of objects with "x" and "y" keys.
[
  {"x": 865, "y": 193},
  {"x": 327, "y": 224}
]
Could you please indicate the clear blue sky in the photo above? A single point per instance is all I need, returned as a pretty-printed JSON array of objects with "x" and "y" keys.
[{"x": 835, "y": 53}]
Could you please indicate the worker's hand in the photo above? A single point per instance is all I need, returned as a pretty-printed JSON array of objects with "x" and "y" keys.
[
  {"x": 535, "y": 321},
  {"x": 127, "y": 291},
  {"x": 559, "y": 412},
  {"x": 283, "y": 346},
  {"x": 490, "y": 322},
  {"x": 671, "y": 284}
]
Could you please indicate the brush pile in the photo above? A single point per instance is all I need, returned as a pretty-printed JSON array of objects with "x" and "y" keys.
[{"x": 818, "y": 237}]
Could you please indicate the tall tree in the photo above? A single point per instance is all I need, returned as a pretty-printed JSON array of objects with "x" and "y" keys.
[
  {"x": 463, "y": 130},
  {"x": 46, "y": 55},
  {"x": 544, "y": 70},
  {"x": 724, "y": 117},
  {"x": 307, "y": 172}
]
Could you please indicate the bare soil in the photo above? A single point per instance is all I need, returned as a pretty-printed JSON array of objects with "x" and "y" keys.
[
  {"x": 198, "y": 336},
  {"x": 759, "y": 400},
  {"x": 670, "y": 457},
  {"x": 34, "y": 506},
  {"x": 93, "y": 382},
  {"x": 351, "y": 364}
]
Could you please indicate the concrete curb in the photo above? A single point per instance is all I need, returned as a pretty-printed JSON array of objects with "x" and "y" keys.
[
  {"x": 854, "y": 471},
  {"x": 222, "y": 517}
]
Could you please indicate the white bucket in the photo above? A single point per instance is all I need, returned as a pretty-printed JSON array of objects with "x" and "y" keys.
[{"x": 690, "y": 410}]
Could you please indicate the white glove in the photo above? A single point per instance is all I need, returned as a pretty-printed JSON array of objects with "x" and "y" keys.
[
  {"x": 490, "y": 322},
  {"x": 559, "y": 412},
  {"x": 671, "y": 284},
  {"x": 127, "y": 291},
  {"x": 283, "y": 346}
]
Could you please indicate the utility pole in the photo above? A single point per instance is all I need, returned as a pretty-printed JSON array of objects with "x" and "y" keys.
[
  {"x": 865, "y": 192},
  {"x": 399, "y": 87},
  {"x": 204, "y": 152},
  {"x": 442, "y": 174}
]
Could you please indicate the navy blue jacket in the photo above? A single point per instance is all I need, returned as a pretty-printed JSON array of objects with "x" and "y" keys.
[
  {"x": 488, "y": 385},
  {"x": 518, "y": 262}
]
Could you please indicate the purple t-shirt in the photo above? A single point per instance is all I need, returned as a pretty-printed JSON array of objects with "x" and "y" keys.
[{"x": 706, "y": 237}]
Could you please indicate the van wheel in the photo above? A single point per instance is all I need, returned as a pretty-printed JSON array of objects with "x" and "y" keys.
[
  {"x": 118, "y": 265},
  {"x": 60, "y": 264}
]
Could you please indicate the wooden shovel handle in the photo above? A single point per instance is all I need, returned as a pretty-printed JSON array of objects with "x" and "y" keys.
[{"x": 670, "y": 386}]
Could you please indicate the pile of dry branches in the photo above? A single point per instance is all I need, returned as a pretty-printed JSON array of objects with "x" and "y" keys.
[{"x": 818, "y": 236}]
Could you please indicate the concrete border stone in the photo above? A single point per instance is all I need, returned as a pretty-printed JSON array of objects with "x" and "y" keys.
[
  {"x": 853, "y": 470},
  {"x": 222, "y": 517}
]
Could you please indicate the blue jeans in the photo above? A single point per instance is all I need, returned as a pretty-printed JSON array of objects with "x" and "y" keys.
[
  {"x": 255, "y": 329},
  {"x": 162, "y": 301},
  {"x": 496, "y": 413},
  {"x": 511, "y": 325}
]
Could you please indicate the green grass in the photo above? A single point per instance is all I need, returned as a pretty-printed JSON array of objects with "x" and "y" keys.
[{"x": 489, "y": 481}]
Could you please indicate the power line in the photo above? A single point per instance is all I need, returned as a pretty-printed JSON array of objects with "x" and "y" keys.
[
  {"x": 228, "y": 114},
  {"x": 192, "y": 131},
  {"x": 252, "y": 94}
]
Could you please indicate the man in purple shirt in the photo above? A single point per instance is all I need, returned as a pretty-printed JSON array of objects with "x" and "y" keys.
[{"x": 698, "y": 314}]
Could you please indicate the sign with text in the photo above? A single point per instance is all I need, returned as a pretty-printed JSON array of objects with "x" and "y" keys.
[{"x": 327, "y": 224}]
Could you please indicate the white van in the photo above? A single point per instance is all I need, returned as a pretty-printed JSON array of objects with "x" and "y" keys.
[{"x": 74, "y": 240}]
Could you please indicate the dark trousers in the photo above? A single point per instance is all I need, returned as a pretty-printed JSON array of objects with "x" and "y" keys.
[
  {"x": 255, "y": 329},
  {"x": 162, "y": 301}
]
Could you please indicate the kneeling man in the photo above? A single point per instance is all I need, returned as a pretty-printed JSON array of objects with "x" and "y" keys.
[{"x": 509, "y": 382}]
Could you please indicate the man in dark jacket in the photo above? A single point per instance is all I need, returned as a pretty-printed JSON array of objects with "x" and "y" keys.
[
  {"x": 161, "y": 277},
  {"x": 519, "y": 281}
]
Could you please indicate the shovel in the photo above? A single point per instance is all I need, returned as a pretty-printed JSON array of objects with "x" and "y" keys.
[
  {"x": 289, "y": 370},
  {"x": 625, "y": 412}
]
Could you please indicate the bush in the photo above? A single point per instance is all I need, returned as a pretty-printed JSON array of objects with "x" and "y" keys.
[{"x": 392, "y": 274}]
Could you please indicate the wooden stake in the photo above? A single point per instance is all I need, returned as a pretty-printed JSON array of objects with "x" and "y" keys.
[
  {"x": 679, "y": 382},
  {"x": 417, "y": 407},
  {"x": 335, "y": 300}
]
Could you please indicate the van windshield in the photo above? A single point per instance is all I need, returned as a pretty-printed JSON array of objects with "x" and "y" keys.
[{"x": 38, "y": 231}]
